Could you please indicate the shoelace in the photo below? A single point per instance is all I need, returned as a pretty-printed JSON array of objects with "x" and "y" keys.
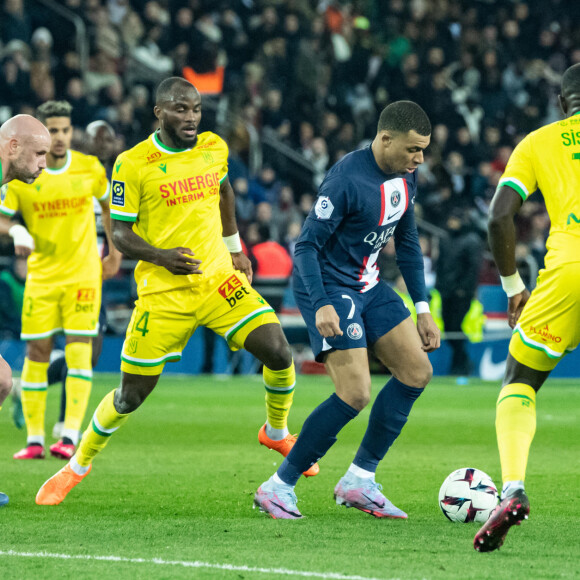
[
  {"x": 287, "y": 495},
  {"x": 374, "y": 488}
]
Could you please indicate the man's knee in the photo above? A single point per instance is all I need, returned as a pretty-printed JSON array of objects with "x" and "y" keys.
[
  {"x": 39, "y": 350},
  {"x": 127, "y": 400},
  {"x": 131, "y": 393},
  {"x": 517, "y": 372},
  {"x": 354, "y": 391},
  {"x": 271, "y": 347},
  {"x": 357, "y": 400},
  {"x": 415, "y": 375}
]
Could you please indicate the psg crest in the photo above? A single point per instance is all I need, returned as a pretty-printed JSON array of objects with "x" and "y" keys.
[
  {"x": 354, "y": 331},
  {"x": 395, "y": 198}
]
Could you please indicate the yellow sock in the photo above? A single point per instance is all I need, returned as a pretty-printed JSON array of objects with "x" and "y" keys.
[
  {"x": 279, "y": 395},
  {"x": 34, "y": 383},
  {"x": 79, "y": 381},
  {"x": 515, "y": 425},
  {"x": 105, "y": 422}
]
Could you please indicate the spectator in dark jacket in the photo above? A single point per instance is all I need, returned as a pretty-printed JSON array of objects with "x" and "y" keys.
[{"x": 457, "y": 275}]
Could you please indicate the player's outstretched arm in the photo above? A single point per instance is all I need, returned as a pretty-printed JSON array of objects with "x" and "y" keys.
[{"x": 178, "y": 261}]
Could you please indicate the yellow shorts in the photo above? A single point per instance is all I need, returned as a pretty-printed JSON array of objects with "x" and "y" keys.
[
  {"x": 162, "y": 323},
  {"x": 69, "y": 308},
  {"x": 549, "y": 326}
]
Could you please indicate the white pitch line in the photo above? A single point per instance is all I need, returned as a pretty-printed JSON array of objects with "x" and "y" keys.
[{"x": 186, "y": 564}]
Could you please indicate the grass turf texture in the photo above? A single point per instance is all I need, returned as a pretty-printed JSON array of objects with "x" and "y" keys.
[{"x": 176, "y": 483}]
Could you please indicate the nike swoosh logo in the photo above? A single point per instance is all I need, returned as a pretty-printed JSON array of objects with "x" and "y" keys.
[
  {"x": 393, "y": 215},
  {"x": 488, "y": 370},
  {"x": 284, "y": 509},
  {"x": 379, "y": 505}
]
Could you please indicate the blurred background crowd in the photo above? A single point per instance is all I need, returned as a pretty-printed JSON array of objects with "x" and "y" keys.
[{"x": 293, "y": 85}]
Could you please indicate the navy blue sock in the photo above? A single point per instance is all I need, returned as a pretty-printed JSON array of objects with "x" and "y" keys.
[
  {"x": 318, "y": 435},
  {"x": 388, "y": 417},
  {"x": 62, "y": 412}
]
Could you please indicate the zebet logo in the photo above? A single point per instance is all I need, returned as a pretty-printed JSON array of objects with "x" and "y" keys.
[
  {"x": 85, "y": 295},
  {"x": 233, "y": 290}
]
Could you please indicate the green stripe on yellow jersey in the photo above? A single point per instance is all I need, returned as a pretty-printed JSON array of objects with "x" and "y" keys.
[
  {"x": 549, "y": 160},
  {"x": 58, "y": 211},
  {"x": 172, "y": 196}
]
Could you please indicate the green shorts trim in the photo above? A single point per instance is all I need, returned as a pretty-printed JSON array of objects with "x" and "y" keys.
[
  {"x": 142, "y": 362},
  {"x": 230, "y": 333}
]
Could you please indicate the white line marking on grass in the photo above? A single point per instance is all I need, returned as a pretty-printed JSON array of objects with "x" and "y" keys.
[{"x": 186, "y": 564}]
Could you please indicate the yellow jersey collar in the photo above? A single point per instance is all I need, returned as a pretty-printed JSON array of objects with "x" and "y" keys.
[
  {"x": 62, "y": 169},
  {"x": 164, "y": 148}
]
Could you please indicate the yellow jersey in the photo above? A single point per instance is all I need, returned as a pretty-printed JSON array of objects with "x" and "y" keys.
[
  {"x": 58, "y": 211},
  {"x": 172, "y": 197},
  {"x": 549, "y": 160}
]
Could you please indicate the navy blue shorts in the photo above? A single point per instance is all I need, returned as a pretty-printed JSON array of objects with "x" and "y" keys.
[{"x": 364, "y": 317}]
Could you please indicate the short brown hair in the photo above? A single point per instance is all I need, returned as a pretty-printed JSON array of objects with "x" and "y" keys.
[{"x": 53, "y": 109}]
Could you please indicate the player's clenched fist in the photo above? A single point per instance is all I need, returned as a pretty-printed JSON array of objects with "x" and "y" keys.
[
  {"x": 328, "y": 322},
  {"x": 179, "y": 261}
]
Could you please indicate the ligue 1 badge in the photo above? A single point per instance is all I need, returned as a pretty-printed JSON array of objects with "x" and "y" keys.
[{"x": 323, "y": 208}]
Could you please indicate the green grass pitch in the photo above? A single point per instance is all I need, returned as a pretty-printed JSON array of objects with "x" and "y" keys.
[{"x": 171, "y": 496}]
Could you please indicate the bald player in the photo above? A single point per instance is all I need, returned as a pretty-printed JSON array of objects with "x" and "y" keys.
[{"x": 24, "y": 143}]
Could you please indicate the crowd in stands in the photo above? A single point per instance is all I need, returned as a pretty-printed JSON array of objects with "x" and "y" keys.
[{"x": 312, "y": 75}]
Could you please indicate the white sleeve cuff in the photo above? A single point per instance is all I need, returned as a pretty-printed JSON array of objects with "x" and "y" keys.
[
  {"x": 21, "y": 236},
  {"x": 233, "y": 243},
  {"x": 513, "y": 284},
  {"x": 422, "y": 307}
]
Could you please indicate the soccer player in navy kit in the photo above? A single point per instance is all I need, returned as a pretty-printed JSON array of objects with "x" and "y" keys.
[{"x": 365, "y": 199}]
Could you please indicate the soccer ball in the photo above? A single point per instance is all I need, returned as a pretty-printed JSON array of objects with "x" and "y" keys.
[{"x": 468, "y": 495}]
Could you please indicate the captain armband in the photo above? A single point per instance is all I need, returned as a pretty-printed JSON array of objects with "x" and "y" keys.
[{"x": 233, "y": 243}]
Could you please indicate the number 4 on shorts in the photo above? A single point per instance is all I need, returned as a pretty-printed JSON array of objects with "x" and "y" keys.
[{"x": 141, "y": 324}]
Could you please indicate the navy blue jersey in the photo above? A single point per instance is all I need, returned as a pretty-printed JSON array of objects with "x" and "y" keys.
[{"x": 358, "y": 209}]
